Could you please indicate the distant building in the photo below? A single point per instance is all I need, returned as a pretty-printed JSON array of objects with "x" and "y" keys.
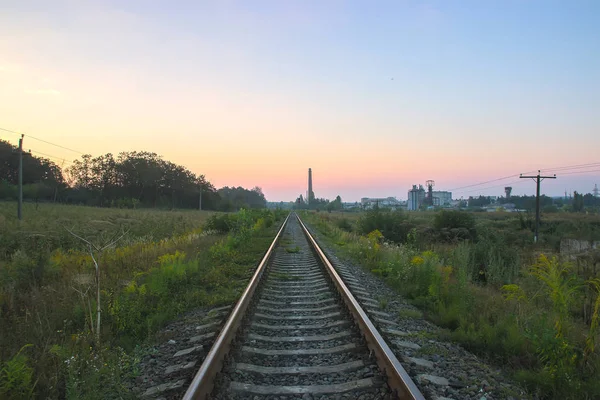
[
  {"x": 387, "y": 202},
  {"x": 349, "y": 206},
  {"x": 416, "y": 197},
  {"x": 442, "y": 198}
]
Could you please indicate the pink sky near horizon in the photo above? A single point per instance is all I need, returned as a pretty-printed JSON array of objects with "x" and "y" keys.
[{"x": 250, "y": 101}]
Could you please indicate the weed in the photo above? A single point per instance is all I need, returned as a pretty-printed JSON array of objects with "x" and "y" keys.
[
  {"x": 431, "y": 349},
  {"x": 560, "y": 286},
  {"x": 590, "y": 341},
  {"x": 410, "y": 313},
  {"x": 16, "y": 377},
  {"x": 383, "y": 302},
  {"x": 293, "y": 249}
]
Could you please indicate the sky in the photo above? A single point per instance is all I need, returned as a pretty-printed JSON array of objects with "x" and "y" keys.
[{"x": 374, "y": 96}]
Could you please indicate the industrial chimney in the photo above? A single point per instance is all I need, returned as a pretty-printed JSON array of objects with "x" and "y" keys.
[{"x": 311, "y": 195}]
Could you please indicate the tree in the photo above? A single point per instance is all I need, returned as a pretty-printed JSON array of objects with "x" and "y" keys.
[
  {"x": 479, "y": 201},
  {"x": 42, "y": 178},
  {"x": 577, "y": 202},
  {"x": 336, "y": 204},
  {"x": 130, "y": 179}
]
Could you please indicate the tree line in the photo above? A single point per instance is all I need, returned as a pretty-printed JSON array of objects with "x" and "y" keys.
[
  {"x": 318, "y": 204},
  {"x": 129, "y": 180},
  {"x": 577, "y": 203}
]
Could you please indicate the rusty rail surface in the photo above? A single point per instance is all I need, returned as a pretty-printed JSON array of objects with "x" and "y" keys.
[
  {"x": 398, "y": 379},
  {"x": 203, "y": 381}
]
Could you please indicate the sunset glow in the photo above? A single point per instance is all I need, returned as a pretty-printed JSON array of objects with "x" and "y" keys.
[{"x": 374, "y": 97}]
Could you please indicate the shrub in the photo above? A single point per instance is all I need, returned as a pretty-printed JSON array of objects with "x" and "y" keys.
[
  {"x": 453, "y": 225},
  {"x": 220, "y": 223},
  {"x": 394, "y": 225},
  {"x": 344, "y": 224}
]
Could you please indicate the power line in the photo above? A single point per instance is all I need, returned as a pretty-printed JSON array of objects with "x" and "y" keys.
[
  {"x": 44, "y": 141},
  {"x": 54, "y": 144},
  {"x": 8, "y": 130},
  {"x": 580, "y": 172},
  {"x": 64, "y": 160},
  {"x": 492, "y": 187},
  {"x": 563, "y": 168},
  {"x": 568, "y": 167},
  {"x": 483, "y": 183}
]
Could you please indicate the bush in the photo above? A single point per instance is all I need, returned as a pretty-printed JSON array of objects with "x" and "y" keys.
[
  {"x": 220, "y": 223},
  {"x": 394, "y": 225},
  {"x": 344, "y": 224},
  {"x": 493, "y": 261},
  {"x": 452, "y": 225}
]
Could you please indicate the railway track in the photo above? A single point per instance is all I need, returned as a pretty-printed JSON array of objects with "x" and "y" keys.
[{"x": 298, "y": 332}]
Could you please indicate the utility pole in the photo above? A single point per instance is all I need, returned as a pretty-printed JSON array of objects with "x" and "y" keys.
[
  {"x": 538, "y": 179},
  {"x": 20, "y": 206},
  {"x": 200, "y": 199}
]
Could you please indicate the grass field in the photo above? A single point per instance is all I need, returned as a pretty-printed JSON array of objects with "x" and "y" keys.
[
  {"x": 157, "y": 265},
  {"x": 479, "y": 275}
]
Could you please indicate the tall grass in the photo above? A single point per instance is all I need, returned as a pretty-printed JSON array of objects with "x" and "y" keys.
[
  {"x": 522, "y": 315},
  {"x": 167, "y": 264}
]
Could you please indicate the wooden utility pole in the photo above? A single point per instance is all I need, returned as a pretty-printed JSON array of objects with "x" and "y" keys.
[
  {"x": 200, "y": 199},
  {"x": 538, "y": 179},
  {"x": 20, "y": 206}
]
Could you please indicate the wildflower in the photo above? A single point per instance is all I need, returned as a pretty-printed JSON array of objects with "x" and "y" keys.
[{"x": 417, "y": 260}]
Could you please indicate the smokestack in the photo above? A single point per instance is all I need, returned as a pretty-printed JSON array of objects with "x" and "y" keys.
[{"x": 310, "y": 191}]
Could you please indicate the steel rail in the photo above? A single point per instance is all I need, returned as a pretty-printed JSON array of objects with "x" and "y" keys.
[
  {"x": 203, "y": 381},
  {"x": 398, "y": 378}
]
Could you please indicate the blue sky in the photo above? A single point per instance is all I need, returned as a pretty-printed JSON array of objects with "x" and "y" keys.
[{"x": 374, "y": 96}]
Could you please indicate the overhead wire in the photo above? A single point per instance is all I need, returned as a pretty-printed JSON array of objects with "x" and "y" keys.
[
  {"x": 63, "y": 160},
  {"x": 8, "y": 130},
  {"x": 486, "y": 182},
  {"x": 43, "y": 141},
  {"x": 495, "y": 186},
  {"x": 568, "y": 167},
  {"x": 580, "y": 172},
  {"x": 563, "y": 168}
]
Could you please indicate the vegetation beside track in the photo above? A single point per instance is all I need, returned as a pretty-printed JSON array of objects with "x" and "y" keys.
[
  {"x": 163, "y": 264},
  {"x": 499, "y": 296}
]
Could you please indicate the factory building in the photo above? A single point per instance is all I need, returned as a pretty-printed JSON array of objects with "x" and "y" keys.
[
  {"x": 442, "y": 198},
  {"x": 416, "y": 197},
  {"x": 387, "y": 202}
]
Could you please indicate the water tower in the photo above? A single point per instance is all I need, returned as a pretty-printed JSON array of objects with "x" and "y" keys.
[{"x": 507, "y": 191}]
